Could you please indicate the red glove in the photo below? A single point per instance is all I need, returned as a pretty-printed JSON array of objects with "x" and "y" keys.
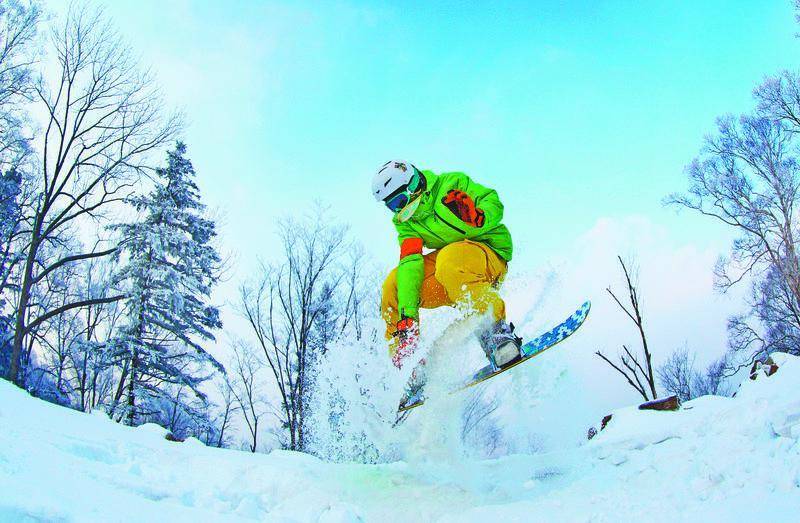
[
  {"x": 407, "y": 337},
  {"x": 462, "y": 206}
]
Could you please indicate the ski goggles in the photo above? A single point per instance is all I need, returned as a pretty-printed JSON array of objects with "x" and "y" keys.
[{"x": 403, "y": 195}]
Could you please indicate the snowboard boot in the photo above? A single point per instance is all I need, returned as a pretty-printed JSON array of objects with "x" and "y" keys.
[
  {"x": 500, "y": 344},
  {"x": 416, "y": 384}
]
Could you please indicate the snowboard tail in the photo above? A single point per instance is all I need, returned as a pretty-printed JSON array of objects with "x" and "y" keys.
[{"x": 529, "y": 350}]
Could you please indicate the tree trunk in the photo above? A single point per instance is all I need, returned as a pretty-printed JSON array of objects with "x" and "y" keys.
[
  {"x": 22, "y": 307},
  {"x": 132, "y": 391},
  {"x": 224, "y": 425}
]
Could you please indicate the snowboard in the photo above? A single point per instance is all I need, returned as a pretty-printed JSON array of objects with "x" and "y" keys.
[{"x": 529, "y": 350}]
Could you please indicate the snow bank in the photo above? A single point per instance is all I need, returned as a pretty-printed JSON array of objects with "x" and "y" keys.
[{"x": 717, "y": 459}]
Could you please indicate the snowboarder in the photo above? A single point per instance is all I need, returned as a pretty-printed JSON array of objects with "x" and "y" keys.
[{"x": 461, "y": 221}]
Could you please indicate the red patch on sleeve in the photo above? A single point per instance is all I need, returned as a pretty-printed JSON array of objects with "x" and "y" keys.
[{"x": 410, "y": 246}]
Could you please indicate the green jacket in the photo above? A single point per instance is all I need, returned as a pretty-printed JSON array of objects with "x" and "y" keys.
[{"x": 438, "y": 226}]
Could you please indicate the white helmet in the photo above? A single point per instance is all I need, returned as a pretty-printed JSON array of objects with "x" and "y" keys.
[{"x": 391, "y": 177}]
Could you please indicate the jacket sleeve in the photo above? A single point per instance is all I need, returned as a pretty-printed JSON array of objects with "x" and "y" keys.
[
  {"x": 485, "y": 199},
  {"x": 410, "y": 271},
  {"x": 489, "y": 202}
]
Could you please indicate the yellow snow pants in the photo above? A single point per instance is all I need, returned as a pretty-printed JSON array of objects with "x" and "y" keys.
[{"x": 463, "y": 272}]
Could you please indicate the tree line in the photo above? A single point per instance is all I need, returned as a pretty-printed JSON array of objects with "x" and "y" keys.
[
  {"x": 108, "y": 258},
  {"x": 98, "y": 311}
]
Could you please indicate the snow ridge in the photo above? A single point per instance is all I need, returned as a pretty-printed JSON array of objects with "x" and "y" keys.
[{"x": 717, "y": 459}]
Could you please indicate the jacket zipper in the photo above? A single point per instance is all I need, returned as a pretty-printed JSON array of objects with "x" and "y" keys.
[{"x": 435, "y": 213}]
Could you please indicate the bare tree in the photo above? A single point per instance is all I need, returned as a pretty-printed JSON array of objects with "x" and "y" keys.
[
  {"x": 57, "y": 338},
  {"x": 64, "y": 335},
  {"x": 224, "y": 417},
  {"x": 678, "y": 376},
  {"x": 769, "y": 325},
  {"x": 245, "y": 386},
  {"x": 477, "y": 424},
  {"x": 104, "y": 119},
  {"x": 290, "y": 304},
  {"x": 713, "y": 381},
  {"x": 638, "y": 375},
  {"x": 181, "y": 412},
  {"x": 89, "y": 367},
  {"x": 357, "y": 292},
  {"x": 747, "y": 177}
]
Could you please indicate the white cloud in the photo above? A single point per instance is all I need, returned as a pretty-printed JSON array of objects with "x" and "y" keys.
[{"x": 679, "y": 305}]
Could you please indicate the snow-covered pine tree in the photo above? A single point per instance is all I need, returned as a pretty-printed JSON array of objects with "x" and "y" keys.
[
  {"x": 169, "y": 269},
  {"x": 10, "y": 182}
]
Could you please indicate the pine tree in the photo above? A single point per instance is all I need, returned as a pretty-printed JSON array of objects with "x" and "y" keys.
[
  {"x": 10, "y": 183},
  {"x": 170, "y": 268}
]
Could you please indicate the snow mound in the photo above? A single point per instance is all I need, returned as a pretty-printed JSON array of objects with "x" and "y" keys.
[{"x": 716, "y": 459}]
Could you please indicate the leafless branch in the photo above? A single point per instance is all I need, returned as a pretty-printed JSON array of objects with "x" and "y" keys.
[
  {"x": 638, "y": 376},
  {"x": 104, "y": 120}
]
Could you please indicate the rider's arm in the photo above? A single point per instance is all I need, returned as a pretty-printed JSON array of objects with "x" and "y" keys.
[
  {"x": 410, "y": 271},
  {"x": 486, "y": 200}
]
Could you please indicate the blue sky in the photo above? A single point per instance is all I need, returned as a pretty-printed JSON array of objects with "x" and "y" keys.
[
  {"x": 581, "y": 114},
  {"x": 574, "y": 111}
]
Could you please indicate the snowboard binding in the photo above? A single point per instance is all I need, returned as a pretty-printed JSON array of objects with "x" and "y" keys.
[
  {"x": 415, "y": 386},
  {"x": 501, "y": 345}
]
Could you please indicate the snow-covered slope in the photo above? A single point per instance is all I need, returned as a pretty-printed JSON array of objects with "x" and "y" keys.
[{"x": 718, "y": 459}]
